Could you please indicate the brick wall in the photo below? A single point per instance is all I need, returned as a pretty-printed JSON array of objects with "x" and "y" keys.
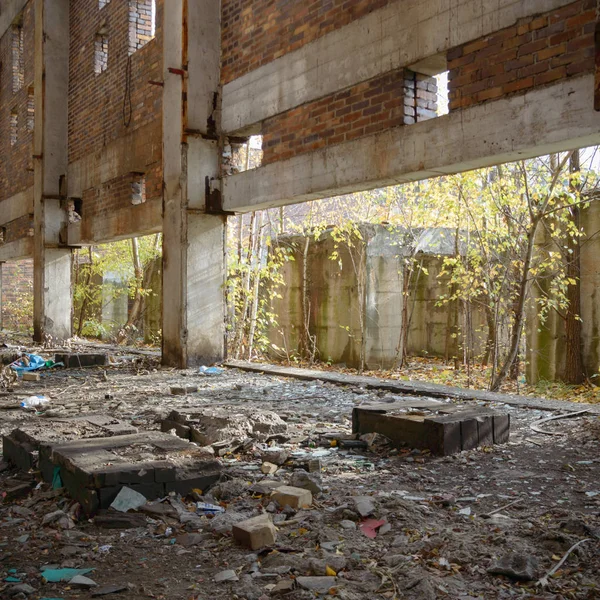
[
  {"x": 534, "y": 52},
  {"x": 369, "y": 107},
  {"x": 258, "y": 32},
  {"x": 16, "y": 174},
  {"x": 97, "y": 101},
  {"x": 118, "y": 101},
  {"x": 17, "y": 294}
]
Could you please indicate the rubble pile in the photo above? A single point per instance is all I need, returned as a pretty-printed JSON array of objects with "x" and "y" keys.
[{"x": 301, "y": 506}]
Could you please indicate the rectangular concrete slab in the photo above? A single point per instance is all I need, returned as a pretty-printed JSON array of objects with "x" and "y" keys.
[
  {"x": 78, "y": 360},
  {"x": 463, "y": 429},
  {"x": 151, "y": 463},
  {"x": 23, "y": 445}
]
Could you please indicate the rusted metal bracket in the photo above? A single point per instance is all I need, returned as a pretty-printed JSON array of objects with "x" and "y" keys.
[
  {"x": 214, "y": 199},
  {"x": 204, "y": 136},
  {"x": 159, "y": 83},
  {"x": 177, "y": 71}
]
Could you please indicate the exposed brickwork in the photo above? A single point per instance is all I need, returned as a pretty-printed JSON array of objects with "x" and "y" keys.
[
  {"x": 256, "y": 33},
  {"x": 97, "y": 102},
  {"x": 106, "y": 199},
  {"x": 534, "y": 52},
  {"x": 111, "y": 102},
  {"x": 369, "y": 107},
  {"x": 420, "y": 97},
  {"x": 16, "y": 140}
]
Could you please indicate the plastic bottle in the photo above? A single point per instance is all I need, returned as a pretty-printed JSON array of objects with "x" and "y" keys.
[{"x": 34, "y": 401}]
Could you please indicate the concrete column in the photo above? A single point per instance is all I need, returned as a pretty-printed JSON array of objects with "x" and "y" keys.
[
  {"x": 52, "y": 307},
  {"x": 193, "y": 241},
  {"x": 1, "y": 321}
]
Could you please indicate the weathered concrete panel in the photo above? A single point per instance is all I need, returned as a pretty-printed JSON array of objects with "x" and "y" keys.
[
  {"x": 10, "y": 10},
  {"x": 492, "y": 133},
  {"x": 16, "y": 206},
  {"x": 395, "y": 36}
]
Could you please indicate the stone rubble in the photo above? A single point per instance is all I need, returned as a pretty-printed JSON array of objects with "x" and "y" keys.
[{"x": 254, "y": 546}]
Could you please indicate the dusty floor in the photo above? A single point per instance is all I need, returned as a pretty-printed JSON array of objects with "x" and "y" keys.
[{"x": 437, "y": 544}]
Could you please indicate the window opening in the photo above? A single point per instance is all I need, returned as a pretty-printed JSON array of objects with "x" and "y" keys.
[
  {"x": 138, "y": 189},
  {"x": 14, "y": 127},
  {"x": 142, "y": 23},
  {"x": 101, "y": 53},
  {"x": 18, "y": 66},
  {"x": 426, "y": 89},
  {"x": 30, "y": 109}
]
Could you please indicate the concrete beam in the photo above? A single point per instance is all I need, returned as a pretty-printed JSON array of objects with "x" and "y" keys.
[
  {"x": 17, "y": 250},
  {"x": 52, "y": 306},
  {"x": 16, "y": 206},
  {"x": 9, "y": 12},
  {"x": 398, "y": 35},
  {"x": 193, "y": 242},
  {"x": 551, "y": 119}
]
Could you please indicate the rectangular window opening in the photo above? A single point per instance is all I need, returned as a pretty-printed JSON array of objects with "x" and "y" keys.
[
  {"x": 2, "y": 235},
  {"x": 242, "y": 154},
  {"x": 426, "y": 90},
  {"x": 138, "y": 189},
  {"x": 14, "y": 127},
  {"x": 101, "y": 53},
  {"x": 18, "y": 64},
  {"x": 30, "y": 109},
  {"x": 142, "y": 23}
]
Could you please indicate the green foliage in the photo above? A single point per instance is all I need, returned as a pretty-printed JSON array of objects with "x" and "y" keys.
[{"x": 90, "y": 295}]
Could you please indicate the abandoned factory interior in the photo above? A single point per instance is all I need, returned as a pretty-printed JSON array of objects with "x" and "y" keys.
[{"x": 300, "y": 299}]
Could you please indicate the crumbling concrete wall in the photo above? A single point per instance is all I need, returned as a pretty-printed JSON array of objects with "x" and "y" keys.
[
  {"x": 546, "y": 342},
  {"x": 362, "y": 289}
]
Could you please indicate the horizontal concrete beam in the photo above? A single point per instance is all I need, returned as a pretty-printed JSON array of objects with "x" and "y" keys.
[
  {"x": 555, "y": 118},
  {"x": 16, "y": 206},
  {"x": 119, "y": 224},
  {"x": 17, "y": 250},
  {"x": 398, "y": 35},
  {"x": 10, "y": 10}
]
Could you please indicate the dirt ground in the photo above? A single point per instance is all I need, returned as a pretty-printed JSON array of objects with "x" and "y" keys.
[{"x": 435, "y": 542}]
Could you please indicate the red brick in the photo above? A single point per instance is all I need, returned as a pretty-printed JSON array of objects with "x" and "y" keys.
[
  {"x": 520, "y": 84},
  {"x": 552, "y": 75}
]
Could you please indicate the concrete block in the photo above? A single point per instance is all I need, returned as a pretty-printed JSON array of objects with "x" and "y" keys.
[
  {"x": 183, "y": 431},
  {"x": 295, "y": 497},
  {"x": 463, "y": 429},
  {"x": 31, "y": 377},
  {"x": 485, "y": 427},
  {"x": 255, "y": 533},
  {"x": 75, "y": 361},
  {"x": 469, "y": 434},
  {"x": 182, "y": 390},
  {"x": 501, "y": 429}
]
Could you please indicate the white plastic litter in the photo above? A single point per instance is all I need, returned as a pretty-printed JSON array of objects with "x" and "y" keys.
[
  {"x": 34, "y": 401},
  {"x": 128, "y": 499}
]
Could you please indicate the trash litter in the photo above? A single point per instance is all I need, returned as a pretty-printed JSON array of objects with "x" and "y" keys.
[
  {"x": 209, "y": 509},
  {"x": 370, "y": 526},
  {"x": 56, "y": 479},
  {"x": 33, "y": 362},
  {"x": 34, "y": 401},
  {"x": 58, "y": 575},
  {"x": 210, "y": 370},
  {"x": 128, "y": 499}
]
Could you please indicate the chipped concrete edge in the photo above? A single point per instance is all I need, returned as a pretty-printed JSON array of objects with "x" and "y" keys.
[{"x": 418, "y": 388}]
